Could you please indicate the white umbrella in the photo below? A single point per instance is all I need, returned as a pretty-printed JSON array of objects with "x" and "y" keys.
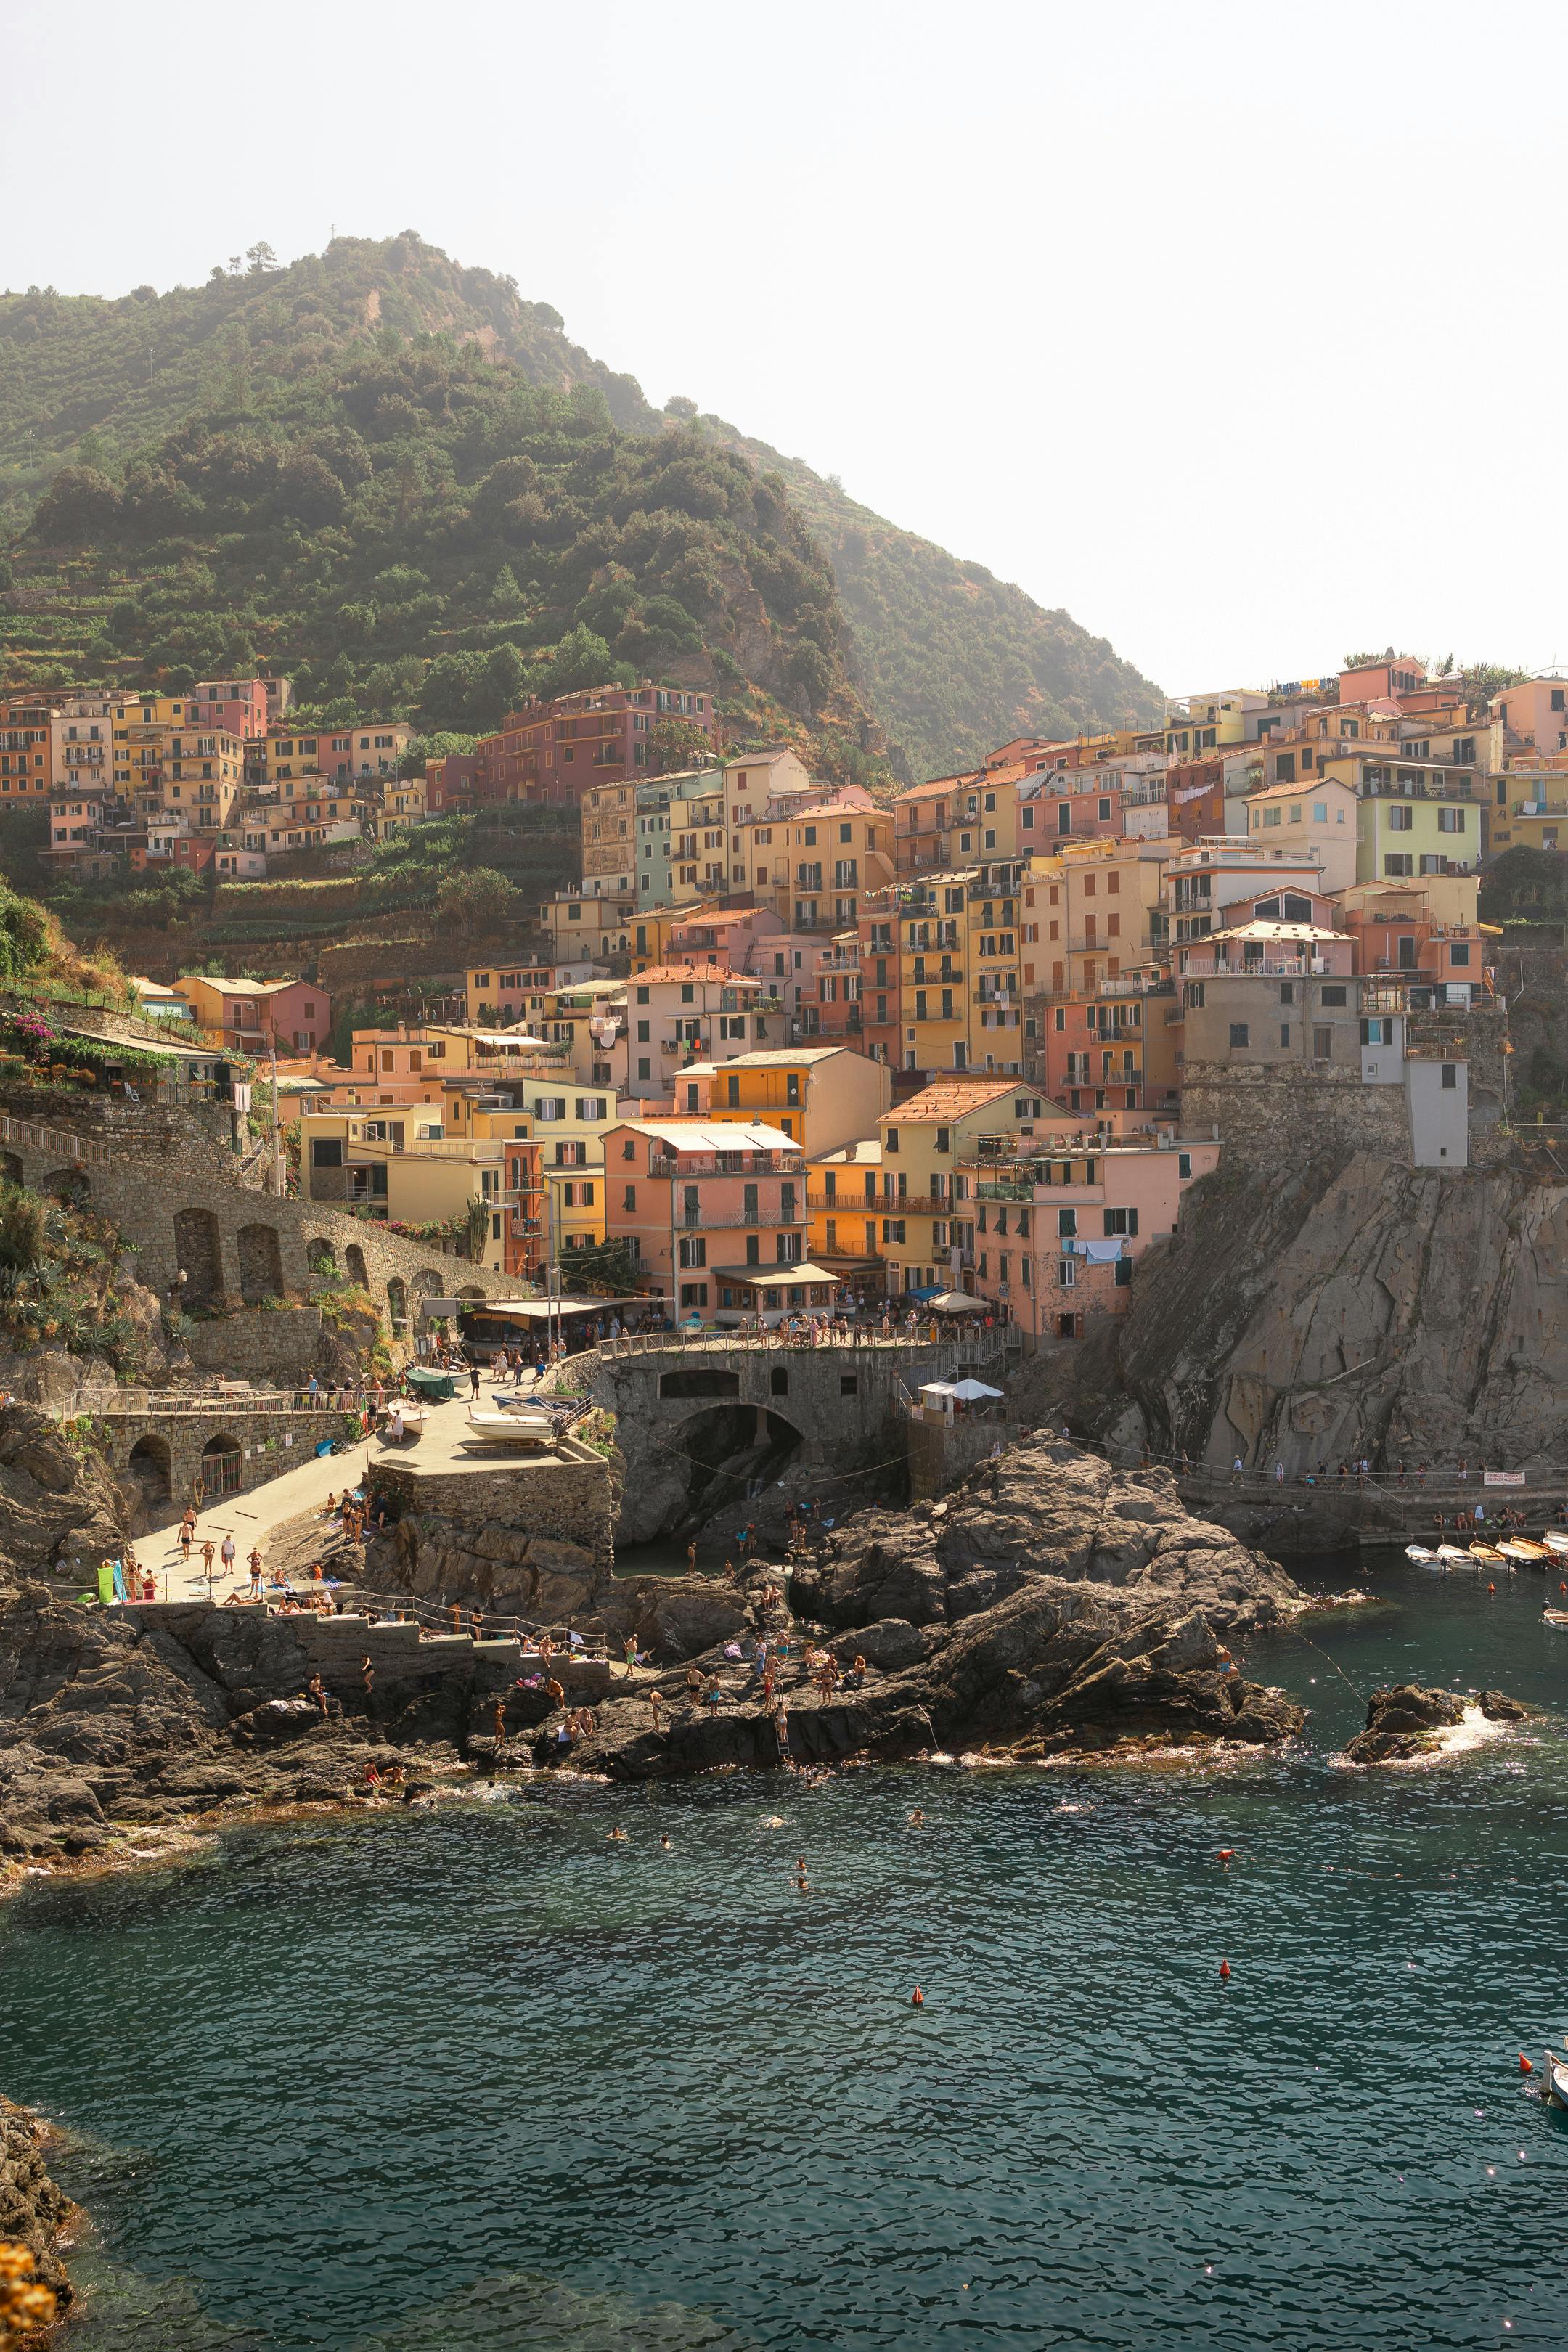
[
  {"x": 971, "y": 1390},
  {"x": 955, "y": 1302}
]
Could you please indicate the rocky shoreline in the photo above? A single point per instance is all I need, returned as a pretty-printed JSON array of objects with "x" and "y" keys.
[
  {"x": 34, "y": 2212},
  {"x": 1052, "y": 1606}
]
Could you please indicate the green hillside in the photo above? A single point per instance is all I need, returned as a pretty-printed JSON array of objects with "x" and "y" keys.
[{"x": 396, "y": 477}]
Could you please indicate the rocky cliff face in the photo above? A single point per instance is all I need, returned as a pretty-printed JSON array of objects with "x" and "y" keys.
[{"x": 1346, "y": 1306}]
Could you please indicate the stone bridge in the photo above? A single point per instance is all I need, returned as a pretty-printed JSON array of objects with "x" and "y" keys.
[
  {"x": 229, "y": 1447},
  {"x": 234, "y": 1247},
  {"x": 734, "y": 1431}
]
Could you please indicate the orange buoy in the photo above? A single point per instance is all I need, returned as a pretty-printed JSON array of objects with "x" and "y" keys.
[
  {"x": 1225, "y": 1854},
  {"x": 1492, "y": 1588},
  {"x": 1524, "y": 2065},
  {"x": 1225, "y": 1971},
  {"x": 917, "y": 1999}
]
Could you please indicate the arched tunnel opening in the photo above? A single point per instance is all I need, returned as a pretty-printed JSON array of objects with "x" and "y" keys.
[{"x": 727, "y": 1450}]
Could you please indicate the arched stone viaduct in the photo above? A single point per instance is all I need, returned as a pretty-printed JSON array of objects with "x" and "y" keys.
[{"x": 234, "y": 1247}]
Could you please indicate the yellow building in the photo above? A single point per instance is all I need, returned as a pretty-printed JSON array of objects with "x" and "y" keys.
[
  {"x": 402, "y": 1169},
  {"x": 922, "y": 1142},
  {"x": 843, "y": 1191},
  {"x": 403, "y": 801},
  {"x": 814, "y": 866},
  {"x": 583, "y": 927},
  {"x": 1091, "y": 912},
  {"x": 821, "y": 1097},
  {"x": 372, "y": 747}
]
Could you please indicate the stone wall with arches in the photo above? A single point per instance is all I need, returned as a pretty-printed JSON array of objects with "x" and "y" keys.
[{"x": 236, "y": 1246}]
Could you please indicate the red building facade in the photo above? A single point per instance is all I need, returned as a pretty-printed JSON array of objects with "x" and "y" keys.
[{"x": 552, "y": 751}]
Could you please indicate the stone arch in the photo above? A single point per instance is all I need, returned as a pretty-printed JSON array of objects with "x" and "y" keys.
[
  {"x": 469, "y": 1290},
  {"x": 397, "y": 1304},
  {"x": 427, "y": 1284},
  {"x": 727, "y": 1447},
  {"x": 198, "y": 1252},
  {"x": 353, "y": 1265},
  {"x": 698, "y": 1381},
  {"x": 11, "y": 1167},
  {"x": 67, "y": 1184},
  {"x": 320, "y": 1254},
  {"x": 151, "y": 1469},
  {"x": 260, "y": 1263},
  {"x": 223, "y": 1463}
]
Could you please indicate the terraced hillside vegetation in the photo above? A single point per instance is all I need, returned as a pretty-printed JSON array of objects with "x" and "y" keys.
[{"x": 397, "y": 479}]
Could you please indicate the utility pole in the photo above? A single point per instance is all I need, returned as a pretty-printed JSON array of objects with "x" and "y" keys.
[{"x": 278, "y": 1186}]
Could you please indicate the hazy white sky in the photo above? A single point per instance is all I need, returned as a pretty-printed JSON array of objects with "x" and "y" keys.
[{"x": 1237, "y": 329}]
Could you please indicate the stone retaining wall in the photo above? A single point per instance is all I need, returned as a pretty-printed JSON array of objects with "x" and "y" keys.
[
  {"x": 275, "y": 1344},
  {"x": 172, "y": 1445}
]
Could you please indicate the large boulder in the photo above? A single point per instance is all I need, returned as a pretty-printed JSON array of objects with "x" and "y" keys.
[{"x": 1401, "y": 1723}]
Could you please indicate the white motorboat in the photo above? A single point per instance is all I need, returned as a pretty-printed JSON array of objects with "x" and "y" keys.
[{"x": 509, "y": 1428}]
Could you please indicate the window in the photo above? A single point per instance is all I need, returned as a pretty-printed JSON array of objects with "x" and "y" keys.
[
  {"x": 1121, "y": 1220},
  {"x": 1450, "y": 820},
  {"x": 1287, "y": 992},
  {"x": 1067, "y": 1273},
  {"x": 1192, "y": 996},
  {"x": 692, "y": 1294},
  {"x": 1284, "y": 1033},
  {"x": 1239, "y": 1035},
  {"x": 326, "y": 1155},
  {"x": 1184, "y": 1163},
  {"x": 1460, "y": 954},
  {"x": 1401, "y": 820},
  {"x": 945, "y": 1138},
  {"x": 1450, "y": 1075},
  {"x": 1377, "y": 1032},
  {"x": 629, "y": 1197},
  {"x": 1335, "y": 996},
  {"x": 1319, "y": 812},
  {"x": 1066, "y": 1225},
  {"x": 693, "y": 1249},
  {"x": 1397, "y": 864},
  {"x": 848, "y": 1384}
]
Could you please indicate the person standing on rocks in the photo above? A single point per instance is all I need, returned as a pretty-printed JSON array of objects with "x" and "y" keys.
[
  {"x": 499, "y": 1726},
  {"x": 367, "y": 1679}
]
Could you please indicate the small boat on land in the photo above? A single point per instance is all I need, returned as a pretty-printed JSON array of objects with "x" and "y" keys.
[
  {"x": 1421, "y": 1555},
  {"x": 508, "y": 1428},
  {"x": 1556, "y": 2080}
]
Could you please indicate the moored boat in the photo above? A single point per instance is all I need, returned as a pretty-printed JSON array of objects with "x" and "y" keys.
[
  {"x": 1521, "y": 1554},
  {"x": 1557, "y": 1617},
  {"x": 1454, "y": 1555},
  {"x": 1556, "y": 2080},
  {"x": 1487, "y": 1555},
  {"x": 1556, "y": 1539},
  {"x": 1527, "y": 1546},
  {"x": 1421, "y": 1555}
]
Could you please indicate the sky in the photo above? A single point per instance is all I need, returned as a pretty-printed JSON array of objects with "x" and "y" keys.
[{"x": 1237, "y": 330}]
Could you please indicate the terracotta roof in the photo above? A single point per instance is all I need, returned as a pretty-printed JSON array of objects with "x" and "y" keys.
[
  {"x": 668, "y": 972},
  {"x": 1306, "y": 784},
  {"x": 953, "y": 1098}
]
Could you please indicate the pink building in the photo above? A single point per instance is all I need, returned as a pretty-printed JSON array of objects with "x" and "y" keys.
[
  {"x": 237, "y": 704},
  {"x": 707, "y": 1209},
  {"x": 1056, "y": 1236},
  {"x": 726, "y": 942}
]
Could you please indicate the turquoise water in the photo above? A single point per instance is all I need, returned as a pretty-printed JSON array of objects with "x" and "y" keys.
[{"x": 478, "y": 2078}]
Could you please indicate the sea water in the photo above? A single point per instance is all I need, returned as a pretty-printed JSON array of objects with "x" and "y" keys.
[{"x": 480, "y": 2077}]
